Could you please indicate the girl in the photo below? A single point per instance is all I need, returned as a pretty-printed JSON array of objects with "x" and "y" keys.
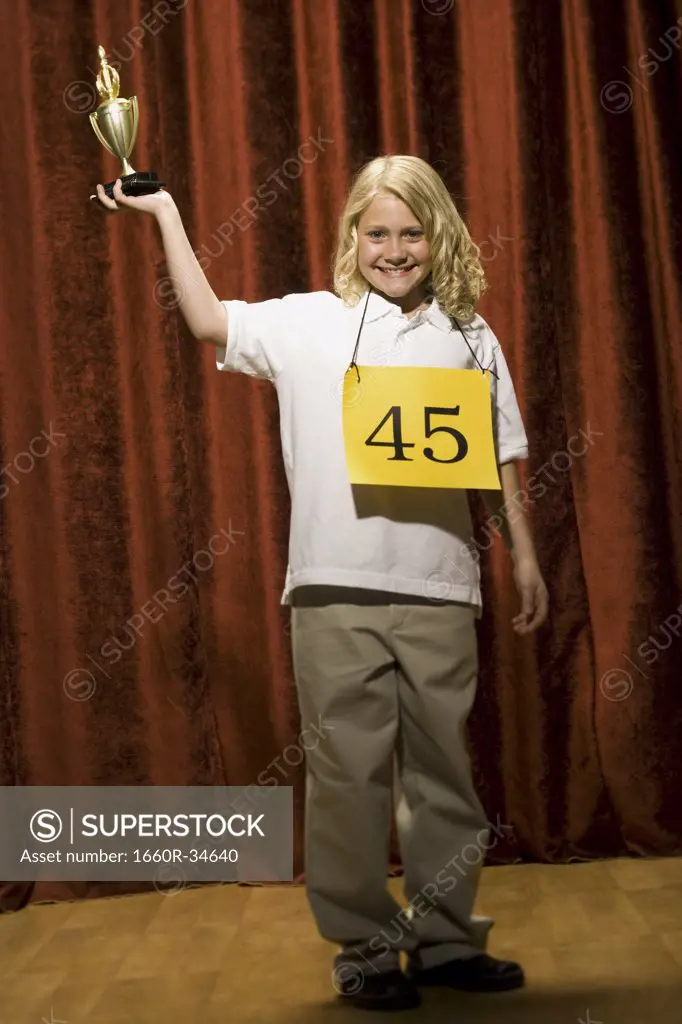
[{"x": 383, "y": 580}]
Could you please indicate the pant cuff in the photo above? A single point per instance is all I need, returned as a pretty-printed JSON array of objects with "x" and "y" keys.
[{"x": 366, "y": 960}]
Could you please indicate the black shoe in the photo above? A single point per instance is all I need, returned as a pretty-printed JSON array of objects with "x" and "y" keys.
[
  {"x": 390, "y": 990},
  {"x": 481, "y": 973}
]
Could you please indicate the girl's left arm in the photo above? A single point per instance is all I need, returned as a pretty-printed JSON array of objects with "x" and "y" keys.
[{"x": 510, "y": 519}]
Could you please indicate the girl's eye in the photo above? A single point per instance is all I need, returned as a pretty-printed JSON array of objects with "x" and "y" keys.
[
  {"x": 415, "y": 234},
  {"x": 374, "y": 234}
]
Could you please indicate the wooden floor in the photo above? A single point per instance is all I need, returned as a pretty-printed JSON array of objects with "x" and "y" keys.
[{"x": 601, "y": 944}]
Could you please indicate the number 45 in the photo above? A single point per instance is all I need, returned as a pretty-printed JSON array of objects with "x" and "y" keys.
[{"x": 399, "y": 445}]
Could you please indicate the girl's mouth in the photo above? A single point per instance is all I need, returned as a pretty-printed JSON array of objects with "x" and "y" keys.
[{"x": 396, "y": 271}]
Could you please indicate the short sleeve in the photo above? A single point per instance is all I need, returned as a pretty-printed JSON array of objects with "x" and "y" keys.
[
  {"x": 260, "y": 336},
  {"x": 510, "y": 436}
]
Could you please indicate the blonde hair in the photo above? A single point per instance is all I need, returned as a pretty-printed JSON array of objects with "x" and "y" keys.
[{"x": 457, "y": 280}]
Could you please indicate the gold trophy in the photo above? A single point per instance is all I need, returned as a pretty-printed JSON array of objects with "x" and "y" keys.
[{"x": 115, "y": 124}]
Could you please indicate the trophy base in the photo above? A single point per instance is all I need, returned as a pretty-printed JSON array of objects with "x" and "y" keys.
[{"x": 141, "y": 183}]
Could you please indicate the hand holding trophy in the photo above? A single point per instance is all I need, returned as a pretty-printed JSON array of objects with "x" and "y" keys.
[{"x": 115, "y": 124}]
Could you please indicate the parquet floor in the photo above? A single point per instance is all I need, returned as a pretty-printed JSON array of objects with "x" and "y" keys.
[{"x": 601, "y": 944}]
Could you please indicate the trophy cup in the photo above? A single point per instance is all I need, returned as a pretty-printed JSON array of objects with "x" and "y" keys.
[{"x": 115, "y": 124}]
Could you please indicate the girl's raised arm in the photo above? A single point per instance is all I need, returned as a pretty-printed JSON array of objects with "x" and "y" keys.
[{"x": 205, "y": 315}]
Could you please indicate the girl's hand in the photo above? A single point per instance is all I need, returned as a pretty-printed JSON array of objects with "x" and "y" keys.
[
  {"x": 534, "y": 596},
  {"x": 154, "y": 203}
]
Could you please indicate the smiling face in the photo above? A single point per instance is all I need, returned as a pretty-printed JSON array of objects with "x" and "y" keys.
[{"x": 393, "y": 254}]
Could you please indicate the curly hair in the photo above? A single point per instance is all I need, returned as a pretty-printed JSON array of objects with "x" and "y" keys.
[{"x": 457, "y": 280}]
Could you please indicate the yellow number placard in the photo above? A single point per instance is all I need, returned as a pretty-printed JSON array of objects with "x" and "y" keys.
[{"x": 415, "y": 426}]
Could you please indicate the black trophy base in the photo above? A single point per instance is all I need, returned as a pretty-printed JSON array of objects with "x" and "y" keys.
[{"x": 141, "y": 183}]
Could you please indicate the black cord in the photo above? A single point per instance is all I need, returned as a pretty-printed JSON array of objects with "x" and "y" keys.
[
  {"x": 357, "y": 341},
  {"x": 481, "y": 368}
]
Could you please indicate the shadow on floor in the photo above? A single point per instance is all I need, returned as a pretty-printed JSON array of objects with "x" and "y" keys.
[{"x": 660, "y": 1005}]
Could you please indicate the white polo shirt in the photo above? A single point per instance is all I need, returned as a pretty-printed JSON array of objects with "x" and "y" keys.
[{"x": 398, "y": 540}]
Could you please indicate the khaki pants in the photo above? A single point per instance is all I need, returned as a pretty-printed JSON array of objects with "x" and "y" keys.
[{"x": 389, "y": 679}]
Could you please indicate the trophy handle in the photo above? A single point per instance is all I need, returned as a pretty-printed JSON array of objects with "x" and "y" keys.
[
  {"x": 98, "y": 133},
  {"x": 136, "y": 121}
]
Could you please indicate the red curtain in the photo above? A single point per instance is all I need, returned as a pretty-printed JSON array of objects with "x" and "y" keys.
[{"x": 124, "y": 452}]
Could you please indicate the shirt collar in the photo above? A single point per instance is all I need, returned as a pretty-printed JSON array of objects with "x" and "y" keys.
[{"x": 378, "y": 307}]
